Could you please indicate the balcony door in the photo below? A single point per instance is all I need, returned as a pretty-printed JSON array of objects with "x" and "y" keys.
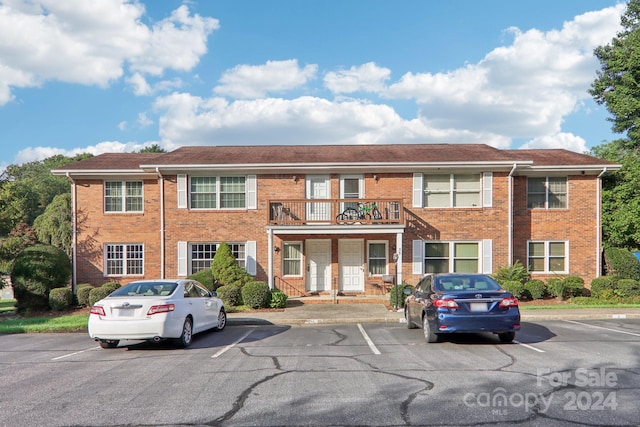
[
  {"x": 351, "y": 187},
  {"x": 318, "y": 189}
]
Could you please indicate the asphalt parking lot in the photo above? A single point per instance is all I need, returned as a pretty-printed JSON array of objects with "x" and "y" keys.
[{"x": 559, "y": 372}]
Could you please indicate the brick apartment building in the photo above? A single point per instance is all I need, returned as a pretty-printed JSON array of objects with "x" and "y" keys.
[{"x": 321, "y": 219}]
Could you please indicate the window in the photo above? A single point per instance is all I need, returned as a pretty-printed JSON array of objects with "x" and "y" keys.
[
  {"x": 377, "y": 258},
  {"x": 547, "y": 193},
  {"x": 210, "y": 192},
  {"x": 454, "y": 257},
  {"x": 351, "y": 188},
  {"x": 452, "y": 190},
  {"x": 548, "y": 257},
  {"x": 123, "y": 196},
  {"x": 292, "y": 259},
  {"x": 201, "y": 255},
  {"x": 124, "y": 259}
]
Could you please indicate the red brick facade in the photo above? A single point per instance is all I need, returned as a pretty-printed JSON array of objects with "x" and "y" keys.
[{"x": 505, "y": 222}]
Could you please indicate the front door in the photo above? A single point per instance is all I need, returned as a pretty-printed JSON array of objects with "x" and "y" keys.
[
  {"x": 318, "y": 265},
  {"x": 318, "y": 188},
  {"x": 351, "y": 253}
]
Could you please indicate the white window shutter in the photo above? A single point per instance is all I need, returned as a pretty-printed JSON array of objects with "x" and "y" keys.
[
  {"x": 251, "y": 257},
  {"x": 182, "y": 258},
  {"x": 418, "y": 193},
  {"x": 417, "y": 258},
  {"x": 251, "y": 192},
  {"x": 487, "y": 189},
  {"x": 182, "y": 191},
  {"x": 487, "y": 256}
]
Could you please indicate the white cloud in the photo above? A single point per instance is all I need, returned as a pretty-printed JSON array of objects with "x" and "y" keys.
[
  {"x": 256, "y": 81},
  {"x": 90, "y": 43},
  {"x": 144, "y": 120},
  {"x": 567, "y": 141},
  {"x": 367, "y": 77},
  {"x": 522, "y": 90}
]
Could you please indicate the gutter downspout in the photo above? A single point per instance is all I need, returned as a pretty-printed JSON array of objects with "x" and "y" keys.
[
  {"x": 510, "y": 220},
  {"x": 162, "y": 230},
  {"x": 599, "y": 223},
  {"x": 74, "y": 235}
]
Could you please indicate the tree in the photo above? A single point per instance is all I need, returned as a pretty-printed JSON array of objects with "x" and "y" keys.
[
  {"x": 155, "y": 148},
  {"x": 54, "y": 226},
  {"x": 618, "y": 82}
]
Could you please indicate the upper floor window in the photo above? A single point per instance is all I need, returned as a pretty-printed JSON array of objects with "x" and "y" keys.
[
  {"x": 452, "y": 190},
  {"x": 201, "y": 255},
  {"x": 210, "y": 192},
  {"x": 292, "y": 259},
  {"x": 451, "y": 257},
  {"x": 548, "y": 257},
  {"x": 123, "y": 196},
  {"x": 124, "y": 259},
  {"x": 547, "y": 193}
]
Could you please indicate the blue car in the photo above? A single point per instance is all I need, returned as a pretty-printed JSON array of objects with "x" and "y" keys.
[{"x": 464, "y": 303}]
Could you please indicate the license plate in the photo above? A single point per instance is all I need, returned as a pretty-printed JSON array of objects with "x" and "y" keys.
[
  {"x": 125, "y": 312},
  {"x": 478, "y": 306}
]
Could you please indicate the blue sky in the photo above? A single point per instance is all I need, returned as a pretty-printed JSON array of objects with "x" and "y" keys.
[{"x": 115, "y": 76}]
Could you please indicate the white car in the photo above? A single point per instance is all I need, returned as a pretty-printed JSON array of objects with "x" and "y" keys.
[{"x": 156, "y": 310}]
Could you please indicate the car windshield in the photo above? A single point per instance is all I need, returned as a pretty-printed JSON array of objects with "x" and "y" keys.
[
  {"x": 464, "y": 283},
  {"x": 145, "y": 289}
]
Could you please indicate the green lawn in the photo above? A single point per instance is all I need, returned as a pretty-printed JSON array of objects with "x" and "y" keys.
[{"x": 10, "y": 324}]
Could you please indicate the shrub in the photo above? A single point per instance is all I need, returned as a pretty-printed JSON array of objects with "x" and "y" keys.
[
  {"x": 110, "y": 286},
  {"x": 60, "y": 298},
  {"x": 536, "y": 289},
  {"x": 226, "y": 270},
  {"x": 230, "y": 295},
  {"x": 256, "y": 295},
  {"x": 573, "y": 286},
  {"x": 516, "y": 272},
  {"x": 622, "y": 263},
  {"x": 278, "y": 299},
  {"x": 96, "y": 294},
  {"x": 205, "y": 277},
  {"x": 83, "y": 294},
  {"x": 515, "y": 287},
  {"x": 608, "y": 295},
  {"x": 401, "y": 295},
  {"x": 600, "y": 284},
  {"x": 36, "y": 270},
  {"x": 626, "y": 288},
  {"x": 555, "y": 286}
]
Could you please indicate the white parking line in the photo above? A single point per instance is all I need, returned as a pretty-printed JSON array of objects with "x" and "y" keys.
[
  {"x": 73, "y": 354},
  {"x": 372, "y": 346},
  {"x": 230, "y": 346},
  {"x": 530, "y": 347},
  {"x": 602, "y": 327}
]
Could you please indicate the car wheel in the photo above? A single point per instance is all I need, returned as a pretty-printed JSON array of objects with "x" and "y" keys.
[
  {"x": 222, "y": 320},
  {"x": 507, "y": 337},
  {"x": 109, "y": 343},
  {"x": 410, "y": 324},
  {"x": 429, "y": 335},
  {"x": 187, "y": 333}
]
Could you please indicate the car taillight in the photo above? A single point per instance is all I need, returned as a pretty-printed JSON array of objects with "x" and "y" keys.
[
  {"x": 509, "y": 302},
  {"x": 164, "y": 308},
  {"x": 445, "y": 303},
  {"x": 97, "y": 309}
]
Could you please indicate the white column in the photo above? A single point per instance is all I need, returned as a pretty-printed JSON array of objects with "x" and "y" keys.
[{"x": 270, "y": 258}]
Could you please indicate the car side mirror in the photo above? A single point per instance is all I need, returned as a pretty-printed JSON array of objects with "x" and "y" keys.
[{"x": 214, "y": 294}]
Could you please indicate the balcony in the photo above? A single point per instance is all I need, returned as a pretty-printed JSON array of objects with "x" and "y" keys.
[{"x": 335, "y": 212}]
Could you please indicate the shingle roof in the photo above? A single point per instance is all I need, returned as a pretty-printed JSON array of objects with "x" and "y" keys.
[{"x": 300, "y": 155}]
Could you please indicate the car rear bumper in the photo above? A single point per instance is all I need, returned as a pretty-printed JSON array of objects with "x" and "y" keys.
[
  {"x": 450, "y": 323},
  {"x": 138, "y": 329}
]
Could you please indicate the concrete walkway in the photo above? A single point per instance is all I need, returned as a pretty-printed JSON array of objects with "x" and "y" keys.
[{"x": 312, "y": 314}]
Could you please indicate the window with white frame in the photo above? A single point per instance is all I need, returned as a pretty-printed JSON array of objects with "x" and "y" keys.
[
  {"x": 124, "y": 259},
  {"x": 201, "y": 255},
  {"x": 548, "y": 256},
  {"x": 452, "y": 190},
  {"x": 123, "y": 196},
  {"x": 210, "y": 192},
  {"x": 547, "y": 193},
  {"x": 451, "y": 257},
  {"x": 292, "y": 259},
  {"x": 378, "y": 261}
]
